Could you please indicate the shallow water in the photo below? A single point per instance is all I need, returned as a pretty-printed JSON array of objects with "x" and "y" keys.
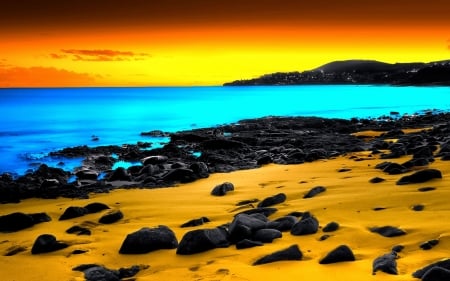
[{"x": 37, "y": 121}]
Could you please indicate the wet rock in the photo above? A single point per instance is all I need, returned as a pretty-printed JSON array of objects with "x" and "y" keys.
[
  {"x": 200, "y": 169},
  {"x": 243, "y": 226},
  {"x": 222, "y": 189},
  {"x": 119, "y": 174},
  {"x": 195, "y": 222},
  {"x": 87, "y": 175},
  {"x": 376, "y": 180},
  {"x": 181, "y": 175},
  {"x": 266, "y": 235},
  {"x": 288, "y": 254},
  {"x": 73, "y": 212},
  {"x": 436, "y": 274},
  {"x": 388, "y": 231},
  {"x": 95, "y": 207},
  {"x": 428, "y": 245},
  {"x": 201, "y": 240},
  {"x": 386, "y": 263},
  {"x": 266, "y": 211},
  {"x": 426, "y": 189},
  {"x": 79, "y": 230},
  {"x": 341, "y": 254},
  {"x": 264, "y": 160},
  {"x": 307, "y": 225},
  {"x": 111, "y": 217},
  {"x": 314, "y": 191},
  {"x": 17, "y": 221},
  {"x": 147, "y": 240},
  {"x": 418, "y": 207},
  {"x": 283, "y": 224},
  {"x": 246, "y": 243},
  {"x": 46, "y": 243},
  {"x": 395, "y": 169},
  {"x": 154, "y": 160},
  {"x": 332, "y": 226},
  {"x": 398, "y": 248},
  {"x": 272, "y": 200},
  {"x": 420, "y": 177},
  {"x": 443, "y": 264}
]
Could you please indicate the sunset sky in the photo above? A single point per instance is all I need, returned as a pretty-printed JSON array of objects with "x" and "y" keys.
[{"x": 207, "y": 42}]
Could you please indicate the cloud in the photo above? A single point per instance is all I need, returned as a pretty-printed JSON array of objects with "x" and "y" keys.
[
  {"x": 99, "y": 55},
  {"x": 43, "y": 77}
]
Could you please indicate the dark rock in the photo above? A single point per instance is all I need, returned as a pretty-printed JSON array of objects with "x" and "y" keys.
[
  {"x": 420, "y": 176},
  {"x": 386, "y": 263},
  {"x": 47, "y": 183},
  {"x": 246, "y": 243},
  {"x": 388, "y": 231},
  {"x": 398, "y": 248},
  {"x": 195, "y": 222},
  {"x": 332, "y": 226},
  {"x": 376, "y": 180},
  {"x": 395, "y": 169},
  {"x": 436, "y": 274},
  {"x": 343, "y": 170},
  {"x": 154, "y": 160},
  {"x": 11, "y": 251},
  {"x": 182, "y": 175},
  {"x": 78, "y": 252},
  {"x": 288, "y": 254},
  {"x": 379, "y": 208},
  {"x": 307, "y": 225},
  {"x": 445, "y": 264},
  {"x": 243, "y": 226},
  {"x": 87, "y": 175},
  {"x": 340, "y": 254},
  {"x": 272, "y": 200},
  {"x": 283, "y": 224},
  {"x": 119, "y": 174},
  {"x": 324, "y": 237},
  {"x": 99, "y": 273},
  {"x": 418, "y": 208},
  {"x": 95, "y": 207},
  {"x": 147, "y": 240},
  {"x": 266, "y": 211},
  {"x": 201, "y": 240},
  {"x": 111, "y": 217},
  {"x": 428, "y": 245},
  {"x": 18, "y": 221},
  {"x": 425, "y": 189},
  {"x": 46, "y": 243},
  {"x": 246, "y": 202},
  {"x": 222, "y": 189},
  {"x": 73, "y": 212},
  {"x": 200, "y": 169},
  {"x": 79, "y": 230},
  {"x": 314, "y": 191},
  {"x": 216, "y": 144},
  {"x": 266, "y": 235},
  {"x": 264, "y": 160}
]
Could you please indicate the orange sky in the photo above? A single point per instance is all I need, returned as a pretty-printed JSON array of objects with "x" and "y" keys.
[{"x": 200, "y": 42}]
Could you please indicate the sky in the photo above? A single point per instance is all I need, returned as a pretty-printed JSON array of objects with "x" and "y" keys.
[{"x": 47, "y": 43}]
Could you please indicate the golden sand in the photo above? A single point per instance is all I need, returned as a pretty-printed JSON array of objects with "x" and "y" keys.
[{"x": 348, "y": 200}]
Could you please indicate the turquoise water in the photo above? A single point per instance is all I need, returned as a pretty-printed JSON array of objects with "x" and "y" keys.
[{"x": 37, "y": 121}]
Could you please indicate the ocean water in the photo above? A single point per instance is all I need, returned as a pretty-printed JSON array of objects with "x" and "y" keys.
[{"x": 38, "y": 121}]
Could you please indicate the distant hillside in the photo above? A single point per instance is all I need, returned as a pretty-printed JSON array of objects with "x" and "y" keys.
[{"x": 360, "y": 72}]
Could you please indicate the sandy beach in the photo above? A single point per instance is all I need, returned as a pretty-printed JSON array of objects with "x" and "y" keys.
[{"x": 350, "y": 200}]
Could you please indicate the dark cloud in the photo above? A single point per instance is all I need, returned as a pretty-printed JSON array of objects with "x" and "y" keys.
[
  {"x": 43, "y": 77},
  {"x": 99, "y": 55}
]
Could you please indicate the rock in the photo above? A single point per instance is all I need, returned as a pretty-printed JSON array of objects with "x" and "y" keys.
[
  {"x": 376, "y": 180},
  {"x": 314, "y": 191},
  {"x": 195, "y": 222},
  {"x": 119, "y": 174},
  {"x": 200, "y": 169},
  {"x": 436, "y": 274},
  {"x": 246, "y": 243},
  {"x": 283, "y": 224},
  {"x": 340, "y": 254},
  {"x": 428, "y": 245},
  {"x": 79, "y": 230},
  {"x": 87, "y": 175},
  {"x": 386, "y": 263},
  {"x": 18, "y": 221},
  {"x": 426, "y": 189},
  {"x": 11, "y": 251},
  {"x": 420, "y": 177},
  {"x": 264, "y": 160},
  {"x": 332, "y": 226},
  {"x": 418, "y": 207},
  {"x": 182, "y": 175},
  {"x": 47, "y": 183},
  {"x": 73, "y": 212},
  {"x": 266, "y": 211},
  {"x": 398, "y": 248},
  {"x": 272, "y": 200},
  {"x": 46, "y": 243},
  {"x": 216, "y": 144},
  {"x": 201, "y": 240},
  {"x": 95, "y": 207},
  {"x": 395, "y": 169},
  {"x": 445, "y": 264},
  {"x": 111, "y": 217},
  {"x": 307, "y": 225},
  {"x": 147, "y": 240},
  {"x": 266, "y": 235},
  {"x": 99, "y": 273},
  {"x": 222, "y": 189},
  {"x": 388, "y": 231},
  {"x": 154, "y": 160},
  {"x": 288, "y": 254},
  {"x": 243, "y": 226}
]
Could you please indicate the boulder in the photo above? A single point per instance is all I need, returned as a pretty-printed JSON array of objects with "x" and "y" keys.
[
  {"x": 111, "y": 217},
  {"x": 200, "y": 169},
  {"x": 154, "y": 160},
  {"x": 266, "y": 235},
  {"x": 420, "y": 177},
  {"x": 332, "y": 226},
  {"x": 148, "y": 239},
  {"x": 96, "y": 207},
  {"x": 222, "y": 189},
  {"x": 388, "y": 231},
  {"x": 119, "y": 174},
  {"x": 272, "y": 200},
  {"x": 243, "y": 226},
  {"x": 182, "y": 175},
  {"x": 46, "y": 243},
  {"x": 195, "y": 222},
  {"x": 246, "y": 243},
  {"x": 314, "y": 191},
  {"x": 436, "y": 274},
  {"x": 291, "y": 253},
  {"x": 445, "y": 264},
  {"x": 386, "y": 263},
  {"x": 340, "y": 254},
  {"x": 18, "y": 221},
  {"x": 201, "y": 240},
  {"x": 87, "y": 175},
  {"x": 307, "y": 225},
  {"x": 283, "y": 224},
  {"x": 73, "y": 212}
]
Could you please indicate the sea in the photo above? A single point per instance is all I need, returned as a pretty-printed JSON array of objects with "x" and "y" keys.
[{"x": 38, "y": 121}]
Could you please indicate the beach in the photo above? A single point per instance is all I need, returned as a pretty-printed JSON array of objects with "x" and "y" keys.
[{"x": 349, "y": 199}]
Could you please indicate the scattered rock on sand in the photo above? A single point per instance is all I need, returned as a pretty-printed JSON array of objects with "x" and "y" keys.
[
  {"x": 73, "y": 212},
  {"x": 437, "y": 267},
  {"x": 436, "y": 274},
  {"x": 376, "y": 180},
  {"x": 332, "y": 226},
  {"x": 266, "y": 235},
  {"x": 195, "y": 222},
  {"x": 93, "y": 272},
  {"x": 291, "y": 253},
  {"x": 46, "y": 243},
  {"x": 272, "y": 200},
  {"x": 148, "y": 239},
  {"x": 18, "y": 221},
  {"x": 386, "y": 263},
  {"x": 428, "y": 245},
  {"x": 420, "y": 176},
  {"x": 111, "y": 217},
  {"x": 314, "y": 191},
  {"x": 222, "y": 189},
  {"x": 201, "y": 240},
  {"x": 340, "y": 254},
  {"x": 388, "y": 231},
  {"x": 96, "y": 207},
  {"x": 246, "y": 243},
  {"x": 307, "y": 225}
]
